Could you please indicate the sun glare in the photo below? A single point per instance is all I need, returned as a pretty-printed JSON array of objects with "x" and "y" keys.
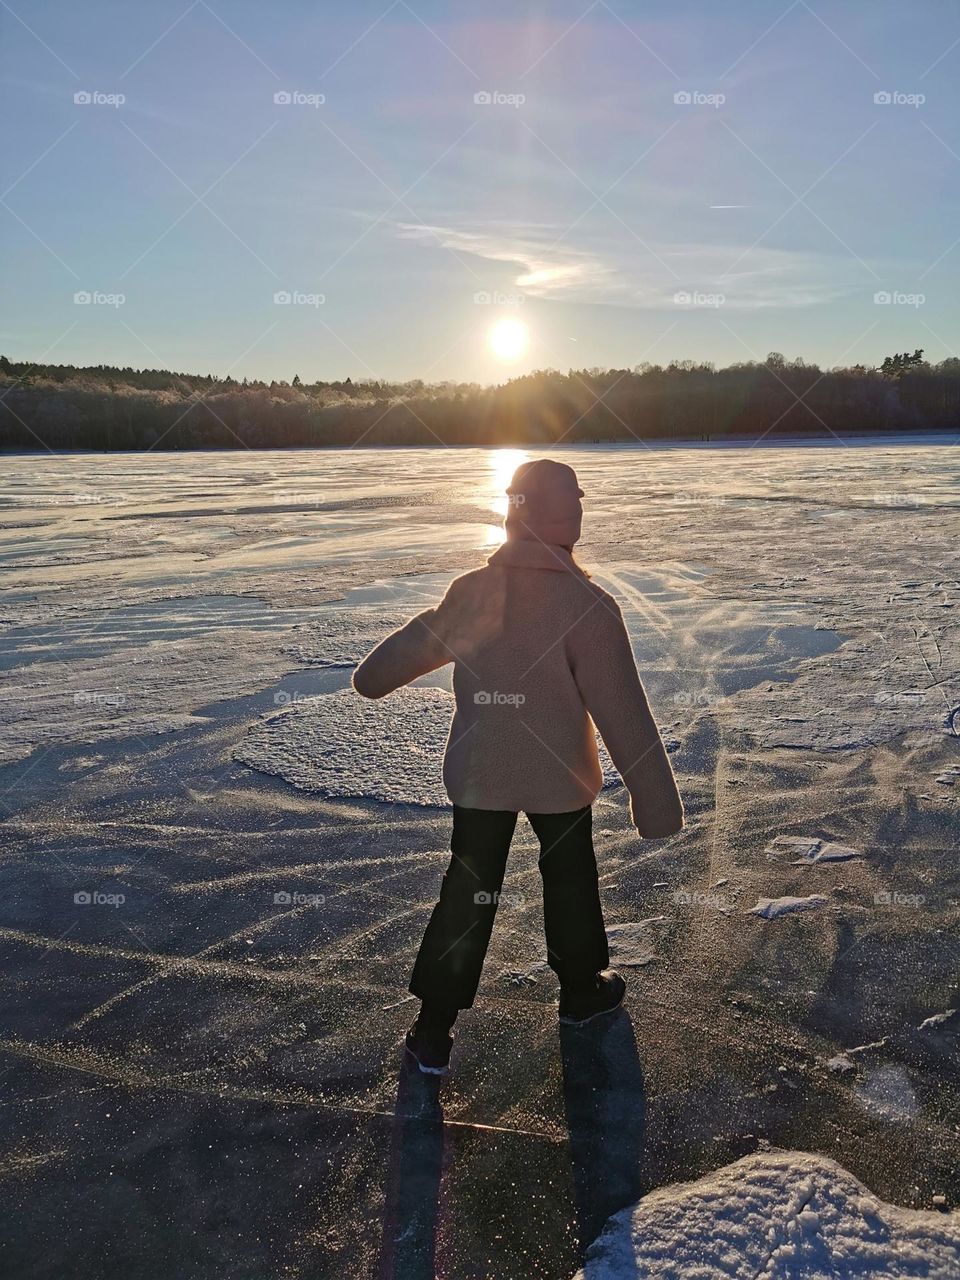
[
  {"x": 502, "y": 463},
  {"x": 508, "y": 339}
]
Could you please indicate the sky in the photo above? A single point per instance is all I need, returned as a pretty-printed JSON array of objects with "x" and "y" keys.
[{"x": 368, "y": 189}]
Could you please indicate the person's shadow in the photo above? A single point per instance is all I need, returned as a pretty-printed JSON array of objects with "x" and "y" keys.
[
  {"x": 605, "y": 1104},
  {"x": 413, "y": 1184}
]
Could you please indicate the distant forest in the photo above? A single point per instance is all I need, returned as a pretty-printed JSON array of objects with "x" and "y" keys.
[{"x": 62, "y": 407}]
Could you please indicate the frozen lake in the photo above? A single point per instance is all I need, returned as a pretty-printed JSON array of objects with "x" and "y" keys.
[{"x": 208, "y": 1047}]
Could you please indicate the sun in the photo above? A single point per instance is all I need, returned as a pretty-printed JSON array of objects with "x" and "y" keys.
[{"x": 508, "y": 339}]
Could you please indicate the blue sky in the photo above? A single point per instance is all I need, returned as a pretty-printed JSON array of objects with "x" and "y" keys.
[{"x": 584, "y": 198}]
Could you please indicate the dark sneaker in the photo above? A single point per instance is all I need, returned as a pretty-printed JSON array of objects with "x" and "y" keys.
[
  {"x": 580, "y": 1007},
  {"x": 430, "y": 1049}
]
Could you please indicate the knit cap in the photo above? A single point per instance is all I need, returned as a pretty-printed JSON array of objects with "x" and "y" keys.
[{"x": 544, "y": 503}]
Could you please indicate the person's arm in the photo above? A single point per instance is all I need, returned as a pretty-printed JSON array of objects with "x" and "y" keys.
[
  {"x": 610, "y": 685},
  {"x": 413, "y": 650}
]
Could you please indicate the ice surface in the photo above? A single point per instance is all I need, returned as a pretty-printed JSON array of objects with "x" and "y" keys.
[
  {"x": 772, "y": 908},
  {"x": 779, "y": 1215},
  {"x": 798, "y": 635},
  {"x": 132, "y": 691},
  {"x": 749, "y": 636}
]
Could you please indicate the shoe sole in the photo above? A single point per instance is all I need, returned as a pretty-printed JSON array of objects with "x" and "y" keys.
[
  {"x": 427, "y": 1071},
  {"x": 567, "y": 1021}
]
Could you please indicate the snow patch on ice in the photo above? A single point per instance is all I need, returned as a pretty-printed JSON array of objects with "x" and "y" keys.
[
  {"x": 809, "y": 849},
  {"x": 771, "y": 908},
  {"x": 800, "y": 846},
  {"x": 630, "y": 943},
  {"x": 339, "y": 744},
  {"x": 777, "y": 1214},
  {"x": 343, "y": 636},
  {"x": 887, "y": 1092}
]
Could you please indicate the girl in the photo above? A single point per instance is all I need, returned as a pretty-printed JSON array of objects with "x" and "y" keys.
[{"x": 540, "y": 655}]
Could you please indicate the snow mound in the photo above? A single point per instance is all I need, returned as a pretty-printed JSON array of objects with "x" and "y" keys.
[
  {"x": 771, "y": 908},
  {"x": 779, "y": 1215},
  {"x": 339, "y": 744}
]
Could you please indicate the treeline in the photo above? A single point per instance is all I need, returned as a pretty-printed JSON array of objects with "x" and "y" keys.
[{"x": 62, "y": 407}]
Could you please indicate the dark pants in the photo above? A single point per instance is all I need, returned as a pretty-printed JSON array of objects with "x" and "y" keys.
[{"x": 447, "y": 971}]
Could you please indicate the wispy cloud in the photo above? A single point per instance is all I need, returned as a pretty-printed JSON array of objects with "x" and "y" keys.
[
  {"x": 543, "y": 268},
  {"x": 546, "y": 265}
]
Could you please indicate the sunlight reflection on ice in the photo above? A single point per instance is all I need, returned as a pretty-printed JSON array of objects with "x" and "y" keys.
[{"x": 502, "y": 464}]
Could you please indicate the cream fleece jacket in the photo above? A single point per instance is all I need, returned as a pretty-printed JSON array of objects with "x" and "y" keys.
[{"x": 539, "y": 651}]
